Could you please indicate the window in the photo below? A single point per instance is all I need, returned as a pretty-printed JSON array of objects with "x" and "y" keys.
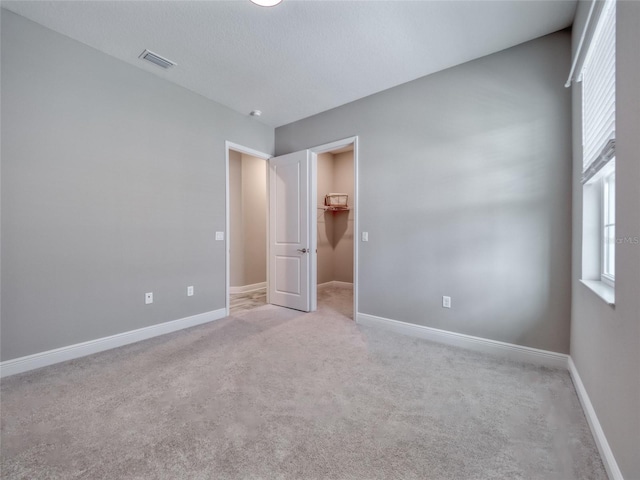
[
  {"x": 609, "y": 228},
  {"x": 598, "y": 78}
]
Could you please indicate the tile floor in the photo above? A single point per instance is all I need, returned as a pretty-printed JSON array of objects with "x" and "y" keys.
[{"x": 241, "y": 302}]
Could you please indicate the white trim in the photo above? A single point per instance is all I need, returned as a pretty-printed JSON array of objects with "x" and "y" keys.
[
  {"x": 313, "y": 232},
  {"x": 249, "y": 151},
  {"x": 602, "y": 290},
  {"x": 248, "y": 288},
  {"x": 227, "y": 229},
  {"x": 485, "y": 345},
  {"x": 70, "y": 352},
  {"x": 227, "y": 244},
  {"x": 356, "y": 223},
  {"x": 335, "y": 283},
  {"x": 609, "y": 461},
  {"x": 574, "y": 63}
]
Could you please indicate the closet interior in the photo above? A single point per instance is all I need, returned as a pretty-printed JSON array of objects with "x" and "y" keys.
[{"x": 335, "y": 257}]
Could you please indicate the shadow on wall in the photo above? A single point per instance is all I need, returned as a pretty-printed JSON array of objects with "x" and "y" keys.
[
  {"x": 340, "y": 227},
  {"x": 335, "y": 228},
  {"x": 497, "y": 231}
]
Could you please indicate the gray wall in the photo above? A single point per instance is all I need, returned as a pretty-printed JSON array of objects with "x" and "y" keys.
[
  {"x": 464, "y": 179},
  {"x": 605, "y": 341},
  {"x": 113, "y": 185}
]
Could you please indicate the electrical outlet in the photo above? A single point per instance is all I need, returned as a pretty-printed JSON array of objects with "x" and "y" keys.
[
  {"x": 219, "y": 236},
  {"x": 365, "y": 236},
  {"x": 446, "y": 302},
  {"x": 190, "y": 291},
  {"x": 148, "y": 298}
]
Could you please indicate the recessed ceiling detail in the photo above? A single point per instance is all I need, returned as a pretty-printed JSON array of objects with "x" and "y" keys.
[{"x": 156, "y": 59}]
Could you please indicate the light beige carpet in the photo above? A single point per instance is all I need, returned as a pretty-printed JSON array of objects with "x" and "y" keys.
[{"x": 276, "y": 394}]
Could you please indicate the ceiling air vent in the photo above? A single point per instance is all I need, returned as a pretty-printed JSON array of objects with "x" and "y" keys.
[{"x": 157, "y": 59}]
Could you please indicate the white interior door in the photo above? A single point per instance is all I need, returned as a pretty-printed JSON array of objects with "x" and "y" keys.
[{"x": 289, "y": 252}]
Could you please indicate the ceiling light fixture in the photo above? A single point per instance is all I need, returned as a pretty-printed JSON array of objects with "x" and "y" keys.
[
  {"x": 255, "y": 113},
  {"x": 266, "y": 3}
]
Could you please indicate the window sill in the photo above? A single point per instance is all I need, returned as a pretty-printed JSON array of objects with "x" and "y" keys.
[{"x": 601, "y": 289}]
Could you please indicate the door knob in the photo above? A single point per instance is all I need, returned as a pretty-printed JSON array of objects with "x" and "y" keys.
[{"x": 303, "y": 250}]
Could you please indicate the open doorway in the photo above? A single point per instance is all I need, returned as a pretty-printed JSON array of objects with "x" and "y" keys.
[
  {"x": 247, "y": 210},
  {"x": 295, "y": 204},
  {"x": 335, "y": 228}
]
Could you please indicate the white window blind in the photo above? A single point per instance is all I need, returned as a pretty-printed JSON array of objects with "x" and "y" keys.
[{"x": 599, "y": 95}]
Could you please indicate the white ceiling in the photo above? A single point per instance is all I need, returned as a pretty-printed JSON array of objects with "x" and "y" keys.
[{"x": 303, "y": 56}]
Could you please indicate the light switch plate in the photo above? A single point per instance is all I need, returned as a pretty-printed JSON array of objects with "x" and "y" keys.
[
  {"x": 148, "y": 298},
  {"x": 365, "y": 236},
  {"x": 219, "y": 235}
]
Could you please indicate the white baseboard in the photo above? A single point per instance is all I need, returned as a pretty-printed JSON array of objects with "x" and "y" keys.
[
  {"x": 43, "y": 359},
  {"x": 609, "y": 461},
  {"x": 335, "y": 283},
  {"x": 509, "y": 350},
  {"x": 248, "y": 288}
]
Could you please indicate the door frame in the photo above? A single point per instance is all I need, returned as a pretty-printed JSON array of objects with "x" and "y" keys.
[
  {"x": 227, "y": 238},
  {"x": 313, "y": 207}
]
